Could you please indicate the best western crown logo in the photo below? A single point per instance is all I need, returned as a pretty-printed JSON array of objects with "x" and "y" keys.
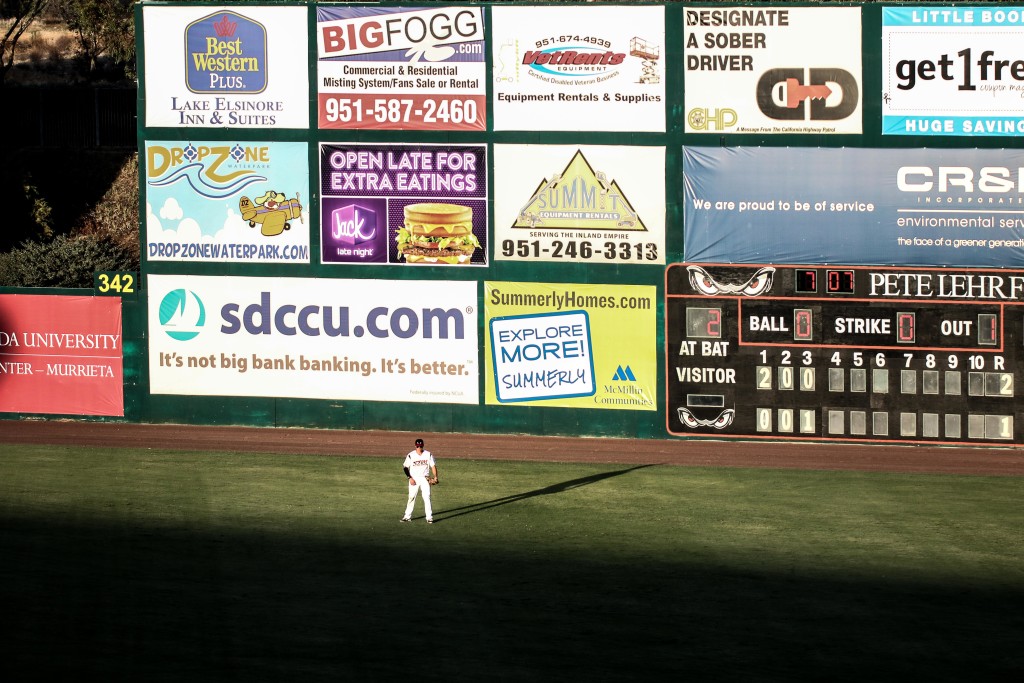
[
  {"x": 579, "y": 198},
  {"x": 225, "y": 28},
  {"x": 226, "y": 53}
]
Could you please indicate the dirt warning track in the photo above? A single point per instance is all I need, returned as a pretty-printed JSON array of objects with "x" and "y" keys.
[{"x": 785, "y": 455}]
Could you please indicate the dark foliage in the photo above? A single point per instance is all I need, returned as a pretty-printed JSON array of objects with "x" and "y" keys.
[{"x": 61, "y": 262}]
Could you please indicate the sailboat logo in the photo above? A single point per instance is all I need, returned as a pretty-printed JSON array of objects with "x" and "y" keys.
[{"x": 182, "y": 314}]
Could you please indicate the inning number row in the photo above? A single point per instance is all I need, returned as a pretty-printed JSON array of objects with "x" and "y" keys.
[{"x": 948, "y": 382}]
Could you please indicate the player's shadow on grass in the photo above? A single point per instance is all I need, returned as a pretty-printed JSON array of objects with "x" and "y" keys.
[{"x": 451, "y": 513}]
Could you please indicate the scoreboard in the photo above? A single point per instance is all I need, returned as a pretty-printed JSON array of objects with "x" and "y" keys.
[{"x": 851, "y": 353}]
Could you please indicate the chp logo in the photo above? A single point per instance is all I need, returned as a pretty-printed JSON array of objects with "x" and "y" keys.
[
  {"x": 702, "y": 118},
  {"x": 182, "y": 314},
  {"x": 784, "y": 94},
  {"x": 226, "y": 53}
]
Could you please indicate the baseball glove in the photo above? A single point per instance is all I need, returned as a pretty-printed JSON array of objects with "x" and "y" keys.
[{"x": 432, "y": 481}]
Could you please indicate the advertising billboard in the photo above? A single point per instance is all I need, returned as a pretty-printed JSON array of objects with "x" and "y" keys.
[
  {"x": 569, "y": 203},
  {"x": 368, "y": 340},
  {"x": 578, "y": 68},
  {"x": 770, "y": 70},
  {"x": 235, "y": 66},
  {"x": 570, "y": 345},
  {"x": 942, "y": 207},
  {"x": 953, "y": 70},
  {"x": 401, "y": 68},
  {"x": 227, "y": 201},
  {"x": 61, "y": 355},
  {"x": 403, "y": 204}
]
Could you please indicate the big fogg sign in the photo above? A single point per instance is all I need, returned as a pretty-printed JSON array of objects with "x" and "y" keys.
[{"x": 420, "y": 30}]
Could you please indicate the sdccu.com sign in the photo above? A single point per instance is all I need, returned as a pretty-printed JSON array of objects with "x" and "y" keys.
[{"x": 373, "y": 340}]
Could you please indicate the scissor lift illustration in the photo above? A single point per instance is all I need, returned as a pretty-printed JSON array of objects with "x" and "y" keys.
[{"x": 638, "y": 47}]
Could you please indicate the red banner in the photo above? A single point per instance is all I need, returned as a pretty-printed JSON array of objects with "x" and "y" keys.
[
  {"x": 61, "y": 355},
  {"x": 390, "y": 111}
]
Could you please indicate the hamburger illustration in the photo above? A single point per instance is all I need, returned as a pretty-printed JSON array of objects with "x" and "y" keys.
[{"x": 437, "y": 233}]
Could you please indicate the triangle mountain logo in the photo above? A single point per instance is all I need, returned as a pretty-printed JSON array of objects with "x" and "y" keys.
[{"x": 579, "y": 198}]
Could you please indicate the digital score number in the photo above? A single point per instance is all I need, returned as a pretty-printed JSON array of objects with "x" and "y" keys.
[
  {"x": 846, "y": 353},
  {"x": 988, "y": 332},
  {"x": 806, "y": 281},
  {"x": 704, "y": 323},
  {"x": 906, "y": 326},
  {"x": 839, "y": 281},
  {"x": 836, "y": 281},
  {"x": 803, "y": 324}
]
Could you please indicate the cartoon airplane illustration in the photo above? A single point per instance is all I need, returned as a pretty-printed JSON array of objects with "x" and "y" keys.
[{"x": 271, "y": 211}]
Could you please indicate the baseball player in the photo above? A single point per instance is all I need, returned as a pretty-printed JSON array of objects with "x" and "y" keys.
[{"x": 421, "y": 470}]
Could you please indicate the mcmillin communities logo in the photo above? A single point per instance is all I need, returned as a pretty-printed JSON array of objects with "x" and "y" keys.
[{"x": 623, "y": 374}]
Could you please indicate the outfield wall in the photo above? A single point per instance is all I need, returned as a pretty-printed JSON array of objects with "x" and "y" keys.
[{"x": 587, "y": 151}]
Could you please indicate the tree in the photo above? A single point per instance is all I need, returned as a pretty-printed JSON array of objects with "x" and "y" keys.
[
  {"x": 104, "y": 28},
  {"x": 61, "y": 262},
  {"x": 15, "y": 17},
  {"x": 115, "y": 219}
]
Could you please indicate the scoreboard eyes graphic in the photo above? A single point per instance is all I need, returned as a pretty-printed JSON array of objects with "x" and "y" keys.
[{"x": 850, "y": 353}]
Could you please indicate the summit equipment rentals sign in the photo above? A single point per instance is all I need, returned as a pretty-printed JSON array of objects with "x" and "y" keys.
[{"x": 569, "y": 203}]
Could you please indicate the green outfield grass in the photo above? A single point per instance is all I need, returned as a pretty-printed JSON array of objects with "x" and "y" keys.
[{"x": 122, "y": 565}]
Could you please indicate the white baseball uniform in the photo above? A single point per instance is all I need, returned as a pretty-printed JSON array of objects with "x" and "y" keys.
[{"x": 419, "y": 466}]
